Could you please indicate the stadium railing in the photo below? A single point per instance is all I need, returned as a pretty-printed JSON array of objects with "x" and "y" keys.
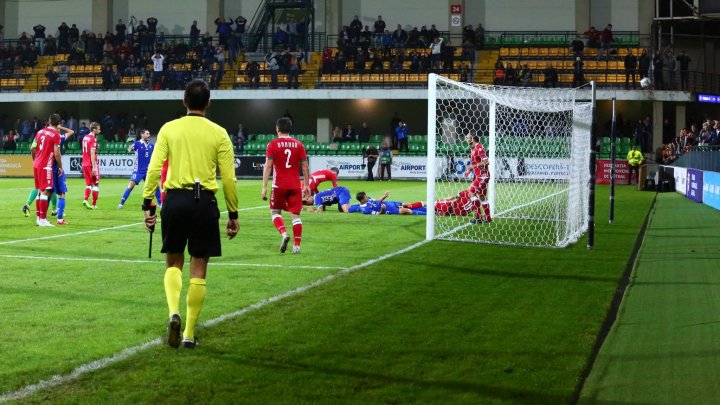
[{"x": 701, "y": 158}]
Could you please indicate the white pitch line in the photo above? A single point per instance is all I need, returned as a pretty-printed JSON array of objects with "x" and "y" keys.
[
  {"x": 95, "y": 365},
  {"x": 10, "y": 242},
  {"x": 162, "y": 262}
]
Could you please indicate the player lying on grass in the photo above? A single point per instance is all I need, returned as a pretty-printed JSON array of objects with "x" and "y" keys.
[
  {"x": 337, "y": 195},
  {"x": 370, "y": 206},
  {"x": 462, "y": 204}
]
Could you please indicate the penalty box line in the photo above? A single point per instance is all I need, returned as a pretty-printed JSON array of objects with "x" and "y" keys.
[
  {"x": 112, "y": 228},
  {"x": 99, "y": 364}
]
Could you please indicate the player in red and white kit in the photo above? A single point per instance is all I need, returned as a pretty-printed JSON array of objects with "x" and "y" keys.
[
  {"x": 462, "y": 204},
  {"x": 479, "y": 167},
  {"x": 90, "y": 168},
  {"x": 285, "y": 156},
  {"x": 46, "y": 152},
  {"x": 321, "y": 176}
]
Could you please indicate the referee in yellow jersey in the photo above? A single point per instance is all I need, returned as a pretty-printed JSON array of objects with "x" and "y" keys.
[{"x": 196, "y": 149}]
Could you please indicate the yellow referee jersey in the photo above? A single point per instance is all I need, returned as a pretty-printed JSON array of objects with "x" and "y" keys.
[{"x": 196, "y": 148}]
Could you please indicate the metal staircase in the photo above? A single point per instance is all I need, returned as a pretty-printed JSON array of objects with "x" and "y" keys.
[{"x": 271, "y": 13}]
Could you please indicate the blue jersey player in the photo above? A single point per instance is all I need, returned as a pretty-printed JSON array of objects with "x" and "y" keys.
[
  {"x": 370, "y": 206},
  {"x": 337, "y": 195},
  {"x": 143, "y": 149}
]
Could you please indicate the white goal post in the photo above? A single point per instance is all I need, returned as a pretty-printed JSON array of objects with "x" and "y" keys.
[{"x": 538, "y": 145}]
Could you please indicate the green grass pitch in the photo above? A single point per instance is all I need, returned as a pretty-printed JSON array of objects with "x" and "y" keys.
[{"x": 352, "y": 319}]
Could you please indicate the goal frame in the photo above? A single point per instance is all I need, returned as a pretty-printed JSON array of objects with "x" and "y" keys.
[{"x": 586, "y": 226}]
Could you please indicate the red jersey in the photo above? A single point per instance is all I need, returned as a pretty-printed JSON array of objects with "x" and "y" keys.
[
  {"x": 89, "y": 143},
  {"x": 477, "y": 155},
  {"x": 46, "y": 139},
  {"x": 286, "y": 154},
  {"x": 320, "y": 176}
]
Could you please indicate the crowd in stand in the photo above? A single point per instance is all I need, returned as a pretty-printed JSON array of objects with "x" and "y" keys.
[
  {"x": 705, "y": 135},
  {"x": 387, "y": 51},
  {"x": 133, "y": 49}
]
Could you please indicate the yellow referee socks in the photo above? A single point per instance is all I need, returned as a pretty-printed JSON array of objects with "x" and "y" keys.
[
  {"x": 173, "y": 286},
  {"x": 195, "y": 298}
]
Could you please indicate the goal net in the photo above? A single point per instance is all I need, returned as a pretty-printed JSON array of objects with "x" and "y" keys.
[{"x": 535, "y": 188}]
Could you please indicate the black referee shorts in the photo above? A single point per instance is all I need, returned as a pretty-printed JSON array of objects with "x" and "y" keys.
[{"x": 195, "y": 223}]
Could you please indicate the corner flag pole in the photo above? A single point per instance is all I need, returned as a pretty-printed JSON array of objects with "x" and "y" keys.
[
  {"x": 613, "y": 136},
  {"x": 591, "y": 186},
  {"x": 152, "y": 212}
]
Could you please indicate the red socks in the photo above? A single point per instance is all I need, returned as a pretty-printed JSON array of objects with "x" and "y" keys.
[
  {"x": 279, "y": 223},
  {"x": 297, "y": 231}
]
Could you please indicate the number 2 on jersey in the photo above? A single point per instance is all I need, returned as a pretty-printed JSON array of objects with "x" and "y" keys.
[{"x": 288, "y": 152}]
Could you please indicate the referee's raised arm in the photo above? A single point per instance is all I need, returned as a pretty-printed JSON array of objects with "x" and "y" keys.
[{"x": 196, "y": 149}]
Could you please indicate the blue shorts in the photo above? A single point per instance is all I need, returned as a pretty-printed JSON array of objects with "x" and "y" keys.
[
  {"x": 392, "y": 207},
  {"x": 136, "y": 177},
  {"x": 59, "y": 183},
  {"x": 344, "y": 196}
]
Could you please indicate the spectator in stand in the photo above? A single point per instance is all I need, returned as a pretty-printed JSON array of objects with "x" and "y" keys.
[
  {"x": 106, "y": 77},
  {"x": 644, "y": 64},
  {"x": 223, "y": 29},
  {"x": 337, "y": 135},
  {"x": 469, "y": 34},
  {"x": 63, "y": 76},
  {"x": 50, "y": 46},
  {"x": 378, "y": 29},
  {"x": 240, "y": 24},
  {"x": 606, "y": 40},
  {"x": 273, "y": 67},
  {"x": 510, "y": 75},
  {"x": 292, "y": 30},
  {"x": 363, "y": 133},
  {"x": 63, "y": 37},
  {"x": 152, "y": 24},
  {"x": 349, "y": 134},
  {"x": 377, "y": 64},
  {"x": 684, "y": 62},
  {"x": 206, "y": 39},
  {"x": 577, "y": 46},
  {"x": 551, "y": 76},
  {"x": 40, "y": 38},
  {"x": 658, "y": 70},
  {"x": 240, "y": 138},
  {"x": 480, "y": 37},
  {"x": 669, "y": 65},
  {"x": 499, "y": 75},
  {"x": 399, "y": 37},
  {"x": 294, "y": 73},
  {"x": 593, "y": 37},
  {"x": 253, "y": 74},
  {"x": 73, "y": 34},
  {"x": 194, "y": 34},
  {"x": 356, "y": 27},
  {"x": 630, "y": 64},
  {"x": 157, "y": 76},
  {"x": 280, "y": 39},
  {"x": 120, "y": 29},
  {"x": 526, "y": 75},
  {"x": 220, "y": 59},
  {"x": 435, "y": 51},
  {"x": 448, "y": 57},
  {"x": 82, "y": 131},
  {"x": 10, "y": 143},
  {"x": 52, "y": 76}
]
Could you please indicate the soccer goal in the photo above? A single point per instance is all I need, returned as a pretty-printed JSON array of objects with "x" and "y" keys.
[{"x": 538, "y": 144}]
